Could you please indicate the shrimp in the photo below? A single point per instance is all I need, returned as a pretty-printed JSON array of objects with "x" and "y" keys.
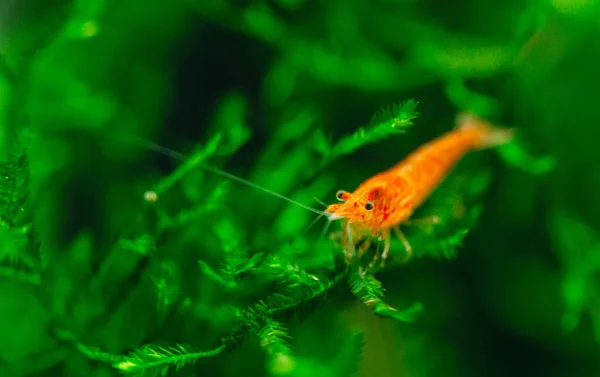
[{"x": 383, "y": 202}]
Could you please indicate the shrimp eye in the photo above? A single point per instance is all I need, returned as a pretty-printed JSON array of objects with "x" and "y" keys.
[
  {"x": 369, "y": 206},
  {"x": 340, "y": 195}
]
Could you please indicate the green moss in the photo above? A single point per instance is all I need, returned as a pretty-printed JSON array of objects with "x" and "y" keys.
[{"x": 163, "y": 167}]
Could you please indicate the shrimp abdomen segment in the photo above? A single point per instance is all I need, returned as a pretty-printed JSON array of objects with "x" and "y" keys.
[{"x": 427, "y": 166}]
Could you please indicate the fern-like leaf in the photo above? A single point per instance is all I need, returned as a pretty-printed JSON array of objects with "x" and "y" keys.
[
  {"x": 14, "y": 182},
  {"x": 12, "y": 273},
  {"x": 167, "y": 287},
  {"x": 517, "y": 155},
  {"x": 143, "y": 245},
  {"x": 388, "y": 122},
  {"x": 13, "y": 243},
  {"x": 194, "y": 161},
  {"x": 370, "y": 291},
  {"x": 151, "y": 360},
  {"x": 578, "y": 247},
  {"x": 274, "y": 341},
  {"x": 278, "y": 307},
  {"x": 224, "y": 281}
]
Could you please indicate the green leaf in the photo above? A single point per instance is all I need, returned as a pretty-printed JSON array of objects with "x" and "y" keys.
[
  {"x": 370, "y": 291},
  {"x": 207, "y": 270},
  {"x": 13, "y": 244},
  {"x": 466, "y": 99},
  {"x": 93, "y": 352},
  {"x": 191, "y": 163},
  {"x": 84, "y": 21},
  {"x": 388, "y": 122},
  {"x": 13, "y": 273},
  {"x": 230, "y": 120},
  {"x": 14, "y": 181},
  {"x": 168, "y": 289},
  {"x": 143, "y": 245},
  {"x": 578, "y": 247},
  {"x": 321, "y": 143},
  {"x": 447, "y": 247},
  {"x": 150, "y": 360},
  {"x": 515, "y": 154},
  {"x": 252, "y": 263},
  {"x": 274, "y": 341}
]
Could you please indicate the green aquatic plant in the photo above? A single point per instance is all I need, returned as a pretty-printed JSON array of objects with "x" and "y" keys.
[
  {"x": 117, "y": 259},
  {"x": 302, "y": 272}
]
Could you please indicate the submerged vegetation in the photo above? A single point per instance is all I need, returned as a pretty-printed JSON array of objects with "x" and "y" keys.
[{"x": 125, "y": 249}]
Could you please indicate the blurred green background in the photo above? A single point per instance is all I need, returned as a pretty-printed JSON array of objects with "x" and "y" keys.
[{"x": 115, "y": 256}]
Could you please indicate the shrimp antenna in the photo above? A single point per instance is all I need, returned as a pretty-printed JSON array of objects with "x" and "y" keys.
[
  {"x": 312, "y": 223},
  {"x": 325, "y": 228},
  {"x": 222, "y": 173},
  {"x": 321, "y": 202}
]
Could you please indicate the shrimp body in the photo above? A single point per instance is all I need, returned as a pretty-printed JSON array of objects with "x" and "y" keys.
[{"x": 384, "y": 201}]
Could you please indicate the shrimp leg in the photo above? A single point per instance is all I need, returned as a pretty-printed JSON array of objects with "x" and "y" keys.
[
  {"x": 336, "y": 237},
  {"x": 348, "y": 244},
  {"x": 364, "y": 247},
  {"x": 386, "y": 238},
  {"x": 375, "y": 258},
  {"x": 404, "y": 240}
]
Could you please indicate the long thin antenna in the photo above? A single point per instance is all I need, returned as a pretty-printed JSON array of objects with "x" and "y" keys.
[
  {"x": 325, "y": 229},
  {"x": 311, "y": 225},
  {"x": 183, "y": 158}
]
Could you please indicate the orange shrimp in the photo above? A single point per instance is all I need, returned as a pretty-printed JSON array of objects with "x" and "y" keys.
[{"x": 385, "y": 201}]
